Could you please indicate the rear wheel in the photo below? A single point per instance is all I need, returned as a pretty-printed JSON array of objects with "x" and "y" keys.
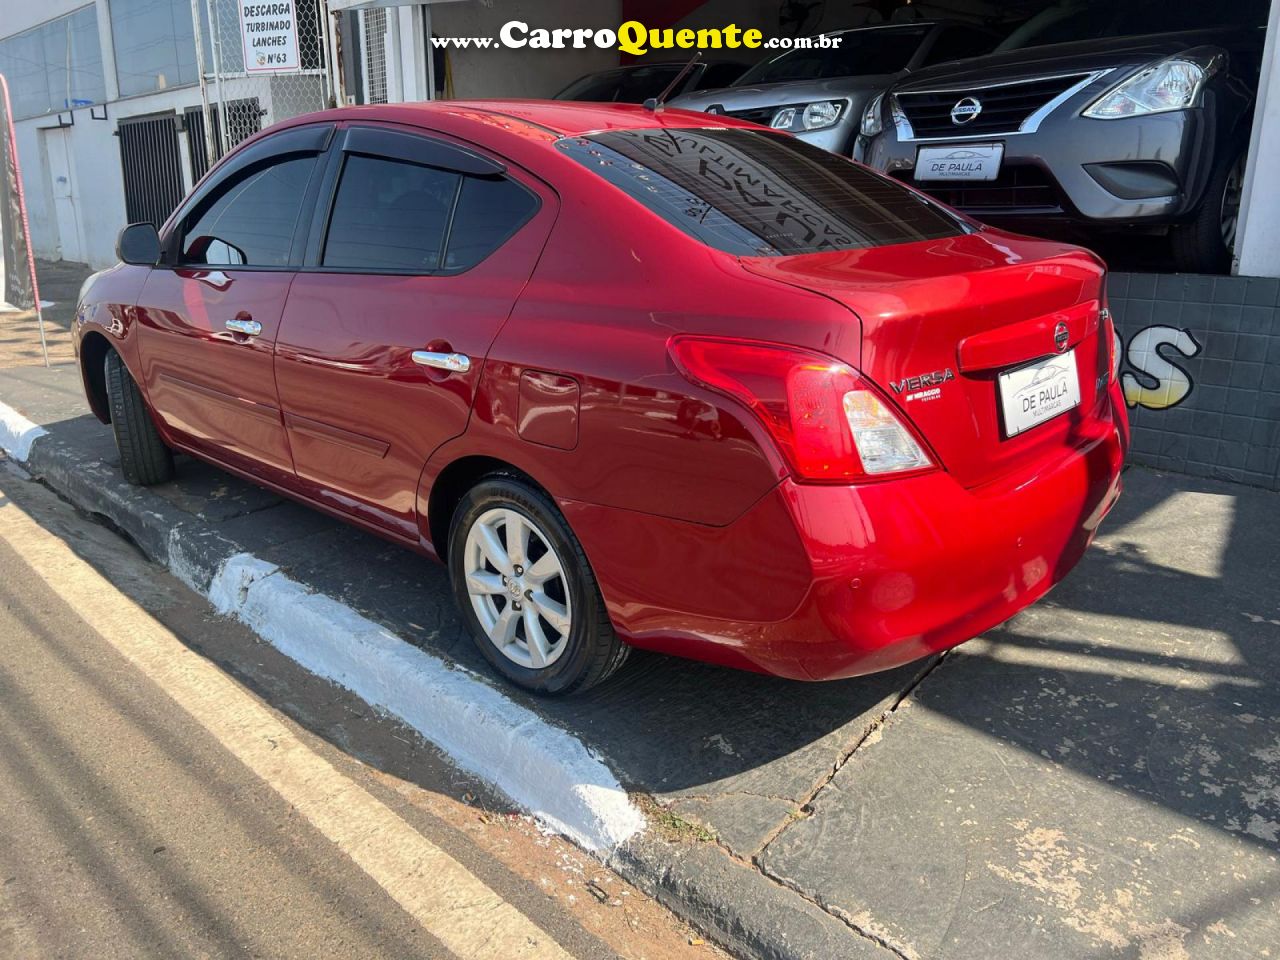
[
  {"x": 1207, "y": 243},
  {"x": 525, "y": 588},
  {"x": 144, "y": 458}
]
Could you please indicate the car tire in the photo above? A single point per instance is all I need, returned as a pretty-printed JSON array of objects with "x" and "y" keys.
[
  {"x": 144, "y": 458},
  {"x": 1206, "y": 243},
  {"x": 541, "y": 623}
]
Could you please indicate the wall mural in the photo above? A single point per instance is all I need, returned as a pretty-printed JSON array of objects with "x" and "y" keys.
[{"x": 1155, "y": 380}]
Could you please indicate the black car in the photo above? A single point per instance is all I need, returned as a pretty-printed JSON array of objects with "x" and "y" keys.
[
  {"x": 1084, "y": 117},
  {"x": 639, "y": 82}
]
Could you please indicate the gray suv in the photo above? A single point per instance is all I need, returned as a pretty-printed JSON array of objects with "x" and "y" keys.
[
  {"x": 1085, "y": 120},
  {"x": 819, "y": 93}
]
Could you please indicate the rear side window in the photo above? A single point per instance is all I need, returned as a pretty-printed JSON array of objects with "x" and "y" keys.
[
  {"x": 488, "y": 212},
  {"x": 389, "y": 215},
  {"x": 756, "y": 193},
  {"x": 253, "y": 220},
  {"x": 394, "y": 216}
]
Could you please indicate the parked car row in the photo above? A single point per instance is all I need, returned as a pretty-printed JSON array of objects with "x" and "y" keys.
[{"x": 1091, "y": 117}]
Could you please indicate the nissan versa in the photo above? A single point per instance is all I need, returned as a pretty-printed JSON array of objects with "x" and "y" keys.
[
  {"x": 820, "y": 93},
  {"x": 1093, "y": 115},
  {"x": 648, "y": 379}
]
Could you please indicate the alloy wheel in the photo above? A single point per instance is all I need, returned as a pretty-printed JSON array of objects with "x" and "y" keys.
[{"x": 518, "y": 587}]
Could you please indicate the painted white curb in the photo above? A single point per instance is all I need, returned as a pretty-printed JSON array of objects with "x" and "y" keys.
[
  {"x": 17, "y": 433},
  {"x": 544, "y": 769}
]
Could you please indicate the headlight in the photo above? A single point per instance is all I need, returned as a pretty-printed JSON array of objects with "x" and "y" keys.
[
  {"x": 872, "y": 125},
  {"x": 1172, "y": 84},
  {"x": 813, "y": 116},
  {"x": 822, "y": 114}
]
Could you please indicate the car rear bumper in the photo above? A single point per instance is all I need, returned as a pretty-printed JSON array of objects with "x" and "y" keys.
[
  {"x": 1139, "y": 170},
  {"x": 823, "y": 582}
]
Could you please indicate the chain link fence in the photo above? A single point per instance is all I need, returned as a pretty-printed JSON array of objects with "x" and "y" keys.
[{"x": 249, "y": 82}]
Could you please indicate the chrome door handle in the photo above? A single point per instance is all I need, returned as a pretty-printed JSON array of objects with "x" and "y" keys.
[
  {"x": 249, "y": 328},
  {"x": 456, "y": 362}
]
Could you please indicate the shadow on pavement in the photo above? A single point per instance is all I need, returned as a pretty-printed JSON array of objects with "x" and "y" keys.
[{"x": 1102, "y": 773}]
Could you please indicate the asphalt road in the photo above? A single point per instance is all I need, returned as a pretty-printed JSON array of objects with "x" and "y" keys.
[{"x": 153, "y": 804}]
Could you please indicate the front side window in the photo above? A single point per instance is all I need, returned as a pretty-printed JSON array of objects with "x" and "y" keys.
[
  {"x": 757, "y": 193},
  {"x": 253, "y": 220}
]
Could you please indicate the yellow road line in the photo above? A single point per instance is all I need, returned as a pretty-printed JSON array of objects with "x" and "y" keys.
[{"x": 452, "y": 904}]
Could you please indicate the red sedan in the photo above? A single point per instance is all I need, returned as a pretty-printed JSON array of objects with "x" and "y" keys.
[{"x": 651, "y": 379}]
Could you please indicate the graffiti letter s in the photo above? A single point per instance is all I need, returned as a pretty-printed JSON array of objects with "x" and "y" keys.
[{"x": 1170, "y": 383}]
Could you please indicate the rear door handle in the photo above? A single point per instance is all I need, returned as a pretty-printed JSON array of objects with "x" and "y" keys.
[
  {"x": 248, "y": 328},
  {"x": 455, "y": 362}
]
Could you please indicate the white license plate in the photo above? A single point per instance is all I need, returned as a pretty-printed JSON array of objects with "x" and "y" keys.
[
  {"x": 970, "y": 161},
  {"x": 1038, "y": 392}
]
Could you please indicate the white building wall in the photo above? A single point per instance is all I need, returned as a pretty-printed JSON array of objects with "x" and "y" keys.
[
  {"x": 97, "y": 183},
  {"x": 1258, "y": 246},
  {"x": 96, "y": 175}
]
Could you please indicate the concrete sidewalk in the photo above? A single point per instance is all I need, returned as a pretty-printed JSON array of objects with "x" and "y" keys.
[{"x": 1100, "y": 777}]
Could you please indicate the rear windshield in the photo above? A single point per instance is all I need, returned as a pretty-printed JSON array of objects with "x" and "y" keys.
[
  {"x": 1071, "y": 21},
  {"x": 759, "y": 194},
  {"x": 862, "y": 53}
]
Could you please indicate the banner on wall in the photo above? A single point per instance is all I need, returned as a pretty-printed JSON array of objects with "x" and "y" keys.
[
  {"x": 18, "y": 286},
  {"x": 269, "y": 31}
]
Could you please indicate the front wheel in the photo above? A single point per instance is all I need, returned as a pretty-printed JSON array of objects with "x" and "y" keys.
[
  {"x": 144, "y": 458},
  {"x": 524, "y": 586},
  {"x": 1207, "y": 243}
]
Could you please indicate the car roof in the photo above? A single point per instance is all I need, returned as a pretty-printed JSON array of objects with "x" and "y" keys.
[{"x": 563, "y": 118}]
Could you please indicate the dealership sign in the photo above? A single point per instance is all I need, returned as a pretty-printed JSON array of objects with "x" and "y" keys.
[{"x": 270, "y": 34}]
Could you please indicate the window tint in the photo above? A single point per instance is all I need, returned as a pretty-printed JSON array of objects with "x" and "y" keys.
[
  {"x": 55, "y": 66},
  {"x": 720, "y": 75},
  {"x": 389, "y": 215},
  {"x": 756, "y": 193},
  {"x": 252, "y": 221},
  {"x": 862, "y": 53},
  {"x": 959, "y": 43},
  {"x": 489, "y": 211},
  {"x": 155, "y": 45}
]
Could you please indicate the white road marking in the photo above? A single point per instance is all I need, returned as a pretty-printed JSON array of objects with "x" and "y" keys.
[{"x": 462, "y": 912}]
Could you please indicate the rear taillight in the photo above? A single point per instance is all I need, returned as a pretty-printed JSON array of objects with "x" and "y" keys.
[{"x": 829, "y": 423}]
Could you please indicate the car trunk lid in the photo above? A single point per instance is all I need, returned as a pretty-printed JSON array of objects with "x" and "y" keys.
[{"x": 942, "y": 319}]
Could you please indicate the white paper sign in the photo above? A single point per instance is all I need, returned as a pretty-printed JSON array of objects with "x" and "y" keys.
[{"x": 269, "y": 29}]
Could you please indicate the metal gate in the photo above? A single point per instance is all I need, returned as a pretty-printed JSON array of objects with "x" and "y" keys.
[
  {"x": 152, "y": 164},
  {"x": 241, "y": 92}
]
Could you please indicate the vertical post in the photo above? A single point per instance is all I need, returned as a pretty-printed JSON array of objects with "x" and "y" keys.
[
  {"x": 430, "y": 51},
  {"x": 26, "y": 226},
  {"x": 205, "y": 117},
  {"x": 332, "y": 57},
  {"x": 224, "y": 132},
  {"x": 1258, "y": 238},
  {"x": 391, "y": 46}
]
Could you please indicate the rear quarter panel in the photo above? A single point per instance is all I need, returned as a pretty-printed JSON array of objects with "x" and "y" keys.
[{"x": 613, "y": 286}]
